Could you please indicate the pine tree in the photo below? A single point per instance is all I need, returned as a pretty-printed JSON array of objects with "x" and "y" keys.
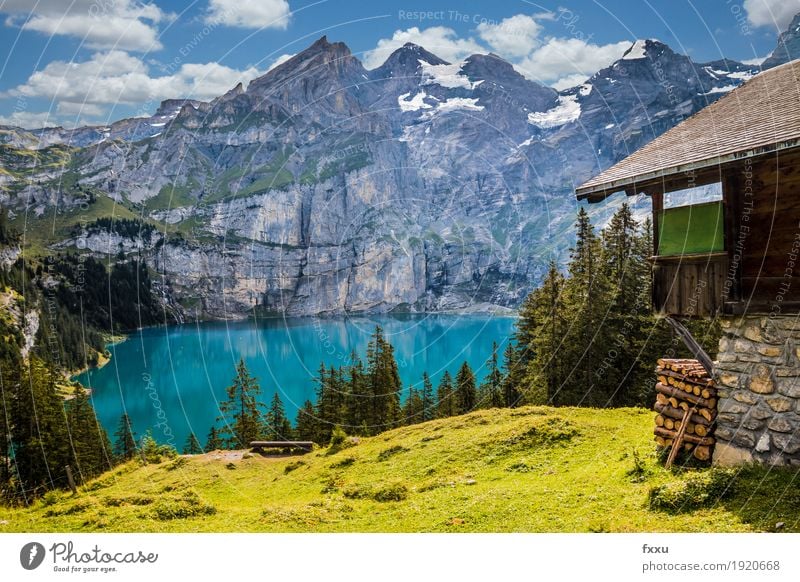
[
  {"x": 511, "y": 378},
  {"x": 445, "y": 397},
  {"x": 278, "y": 426},
  {"x": 91, "y": 449},
  {"x": 192, "y": 446},
  {"x": 546, "y": 372},
  {"x": 214, "y": 442},
  {"x": 491, "y": 391},
  {"x": 412, "y": 408},
  {"x": 358, "y": 403},
  {"x": 428, "y": 401},
  {"x": 586, "y": 299},
  {"x": 384, "y": 383},
  {"x": 124, "y": 439},
  {"x": 308, "y": 428},
  {"x": 326, "y": 407},
  {"x": 241, "y": 414},
  {"x": 466, "y": 395},
  {"x": 40, "y": 435}
]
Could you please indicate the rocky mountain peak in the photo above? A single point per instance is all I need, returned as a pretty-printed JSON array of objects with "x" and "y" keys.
[
  {"x": 405, "y": 62},
  {"x": 788, "y": 48}
]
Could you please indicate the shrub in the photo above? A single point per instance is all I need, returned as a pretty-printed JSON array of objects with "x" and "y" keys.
[
  {"x": 152, "y": 453},
  {"x": 395, "y": 491},
  {"x": 189, "y": 505}
]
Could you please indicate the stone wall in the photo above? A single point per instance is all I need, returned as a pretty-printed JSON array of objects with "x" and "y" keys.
[{"x": 758, "y": 376}]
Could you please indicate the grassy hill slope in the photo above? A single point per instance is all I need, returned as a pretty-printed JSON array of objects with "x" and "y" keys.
[{"x": 532, "y": 469}]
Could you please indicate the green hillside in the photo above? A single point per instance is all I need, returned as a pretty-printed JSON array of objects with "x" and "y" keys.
[{"x": 532, "y": 469}]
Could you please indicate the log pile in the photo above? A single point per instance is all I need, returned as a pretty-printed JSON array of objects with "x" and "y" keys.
[{"x": 686, "y": 403}]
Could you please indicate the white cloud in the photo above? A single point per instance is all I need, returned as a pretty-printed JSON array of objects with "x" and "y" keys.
[
  {"x": 569, "y": 81},
  {"x": 29, "y": 119},
  {"x": 279, "y": 61},
  {"x": 440, "y": 40},
  {"x": 249, "y": 13},
  {"x": 87, "y": 88},
  {"x": 777, "y": 13},
  {"x": 562, "y": 60},
  {"x": 754, "y": 62},
  {"x": 512, "y": 37},
  {"x": 117, "y": 24}
]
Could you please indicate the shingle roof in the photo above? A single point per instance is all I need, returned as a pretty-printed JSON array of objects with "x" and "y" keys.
[{"x": 759, "y": 116}]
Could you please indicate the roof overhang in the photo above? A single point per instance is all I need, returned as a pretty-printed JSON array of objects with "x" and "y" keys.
[{"x": 597, "y": 192}]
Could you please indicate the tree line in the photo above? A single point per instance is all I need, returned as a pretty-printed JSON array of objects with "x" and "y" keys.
[
  {"x": 360, "y": 398},
  {"x": 586, "y": 337}
]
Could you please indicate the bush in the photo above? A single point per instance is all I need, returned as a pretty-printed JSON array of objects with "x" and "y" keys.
[
  {"x": 189, "y": 505},
  {"x": 152, "y": 453},
  {"x": 701, "y": 489},
  {"x": 394, "y": 491},
  {"x": 338, "y": 437}
]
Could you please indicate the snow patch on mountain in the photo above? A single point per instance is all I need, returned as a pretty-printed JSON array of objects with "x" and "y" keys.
[
  {"x": 567, "y": 111},
  {"x": 725, "y": 89},
  {"x": 448, "y": 76},
  {"x": 416, "y": 102},
  {"x": 456, "y": 103},
  {"x": 637, "y": 51}
]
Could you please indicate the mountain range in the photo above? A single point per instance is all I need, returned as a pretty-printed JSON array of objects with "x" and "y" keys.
[{"x": 324, "y": 187}]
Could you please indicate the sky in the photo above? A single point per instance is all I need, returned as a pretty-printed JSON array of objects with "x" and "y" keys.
[{"x": 91, "y": 62}]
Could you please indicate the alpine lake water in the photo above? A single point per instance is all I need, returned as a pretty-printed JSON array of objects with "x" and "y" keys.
[{"x": 171, "y": 380}]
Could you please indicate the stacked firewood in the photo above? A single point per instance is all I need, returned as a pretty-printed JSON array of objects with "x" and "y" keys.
[{"x": 686, "y": 403}]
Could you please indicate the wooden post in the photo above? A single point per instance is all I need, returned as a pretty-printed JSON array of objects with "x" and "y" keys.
[{"x": 71, "y": 481}]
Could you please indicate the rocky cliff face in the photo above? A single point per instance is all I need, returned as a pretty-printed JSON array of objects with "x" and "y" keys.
[
  {"x": 324, "y": 187},
  {"x": 788, "y": 47}
]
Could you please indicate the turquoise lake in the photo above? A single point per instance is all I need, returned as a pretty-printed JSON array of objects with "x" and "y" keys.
[{"x": 171, "y": 379}]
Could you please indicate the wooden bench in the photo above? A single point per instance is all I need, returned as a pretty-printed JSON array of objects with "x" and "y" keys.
[{"x": 259, "y": 446}]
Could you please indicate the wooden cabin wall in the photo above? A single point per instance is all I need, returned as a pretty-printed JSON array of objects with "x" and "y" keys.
[{"x": 764, "y": 204}]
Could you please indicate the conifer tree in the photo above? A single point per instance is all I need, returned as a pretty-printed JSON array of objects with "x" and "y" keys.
[
  {"x": 91, "y": 448},
  {"x": 214, "y": 442},
  {"x": 192, "y": 445},
  {"x": 511, "y": 378},
  {"x": 241, "y": 414},
  {"x": 358, "y": 403},
  {"x": 491, "y": 391},
  {"x": 546, "y": 373},
  {"x": 308, "y": 428},
  {"x": 124, "y": 439},
  {"x": 278, "y": 426},
  {"x": 412, "y": 408},
  {"x": 445, "y": 396},
  {"x": 384, "y": 383},
  {"x": 428, "y": 400},
  {"x": 40, "y": 436},
  {"x": 466, "y": 395}
]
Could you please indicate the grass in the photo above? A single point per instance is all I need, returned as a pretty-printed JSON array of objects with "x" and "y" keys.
[
  {"x": 532, "y": 469},
  {"x": 42, "y": 231}
]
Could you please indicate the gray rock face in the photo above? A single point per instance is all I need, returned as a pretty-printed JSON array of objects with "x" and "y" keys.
[
  {"x": 421, "y": 185},
  {"x": 763, "y": 415},
  {"x": 788, "y": 47}
]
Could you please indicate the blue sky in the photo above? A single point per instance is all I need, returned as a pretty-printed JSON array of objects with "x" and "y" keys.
[{"x": 95, "y": 61}]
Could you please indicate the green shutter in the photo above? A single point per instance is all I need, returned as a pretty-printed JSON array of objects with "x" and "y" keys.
[{"x": 691, "y": 229}]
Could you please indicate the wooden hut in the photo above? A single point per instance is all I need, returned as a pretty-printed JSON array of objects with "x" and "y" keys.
[{"x": 725, "y": 190}]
